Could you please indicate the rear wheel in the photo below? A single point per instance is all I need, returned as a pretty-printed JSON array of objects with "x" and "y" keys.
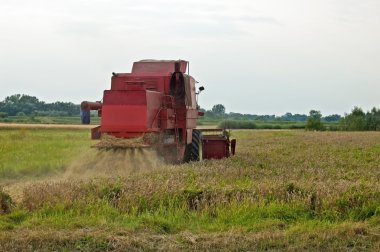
[{"x": 194, "y": 150}]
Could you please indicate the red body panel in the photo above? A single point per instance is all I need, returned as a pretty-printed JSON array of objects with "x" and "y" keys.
[
  {"x": 130, "y": 111},
  {"x": 215, "y": 148},
  {"x": 164, "y": 67},
  {"x": 117, "y": 118}
]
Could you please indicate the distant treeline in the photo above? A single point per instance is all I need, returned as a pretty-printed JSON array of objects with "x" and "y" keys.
[
  {"x": 249, "y": 124},
  {"x": 26, "y": 105},
  {"x": 219, "y": 111},
  {"x": 357, "y": 120}
]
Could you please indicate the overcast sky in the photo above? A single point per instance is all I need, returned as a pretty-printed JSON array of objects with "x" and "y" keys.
[{"x": 253, "y": 56}]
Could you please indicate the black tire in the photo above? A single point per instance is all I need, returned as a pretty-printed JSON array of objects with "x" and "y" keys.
[{"x": 194, "y": 150}]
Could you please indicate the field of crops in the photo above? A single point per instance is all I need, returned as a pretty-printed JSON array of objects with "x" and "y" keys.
[
  {"x": 284, "y": 190},
  {"x": 47, "y": 119}
]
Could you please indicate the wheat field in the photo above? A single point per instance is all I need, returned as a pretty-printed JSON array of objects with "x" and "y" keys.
[{"x": 284, "y": 190}]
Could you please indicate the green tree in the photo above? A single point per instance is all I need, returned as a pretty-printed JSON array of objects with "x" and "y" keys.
[
  {"x": 30, "y": 105},
  {"x": 332, "y": 118},
  {"x": 20, "y": 103},
  {"x": 314, "y": 121},
  {"x": 373, "y": 119},
  {"x": 355, "y": 121},
  {"x": 219, "y": 110}
]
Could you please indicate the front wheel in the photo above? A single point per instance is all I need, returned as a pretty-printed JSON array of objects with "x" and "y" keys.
[{"x": 194, "y": 151}]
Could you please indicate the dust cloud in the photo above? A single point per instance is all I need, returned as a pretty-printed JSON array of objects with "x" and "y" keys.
[
  {"x": 93, "y": 164},
  {"x": 112, "y": 163}
]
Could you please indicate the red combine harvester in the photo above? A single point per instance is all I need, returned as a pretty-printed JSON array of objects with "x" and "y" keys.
[{"x": 157, "y": 102}]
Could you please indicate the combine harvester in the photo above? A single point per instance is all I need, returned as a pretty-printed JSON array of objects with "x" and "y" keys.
[{"x": 156, "y": 106}]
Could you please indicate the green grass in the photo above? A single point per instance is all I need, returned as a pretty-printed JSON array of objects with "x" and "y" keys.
[
  {"x": 47, "y": 119},
  {"x": 284, "y": 190},
  {"x": 35, "y": 152}
]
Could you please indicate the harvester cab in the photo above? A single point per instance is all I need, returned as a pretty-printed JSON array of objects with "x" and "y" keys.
[{"x": 156, "y": 106}]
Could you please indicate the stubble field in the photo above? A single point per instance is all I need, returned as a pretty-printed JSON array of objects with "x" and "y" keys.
[{"x": 284, "y": 190}]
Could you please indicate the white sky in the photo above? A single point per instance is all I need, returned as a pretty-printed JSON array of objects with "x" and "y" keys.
[{"x": 253, "y": 56}]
